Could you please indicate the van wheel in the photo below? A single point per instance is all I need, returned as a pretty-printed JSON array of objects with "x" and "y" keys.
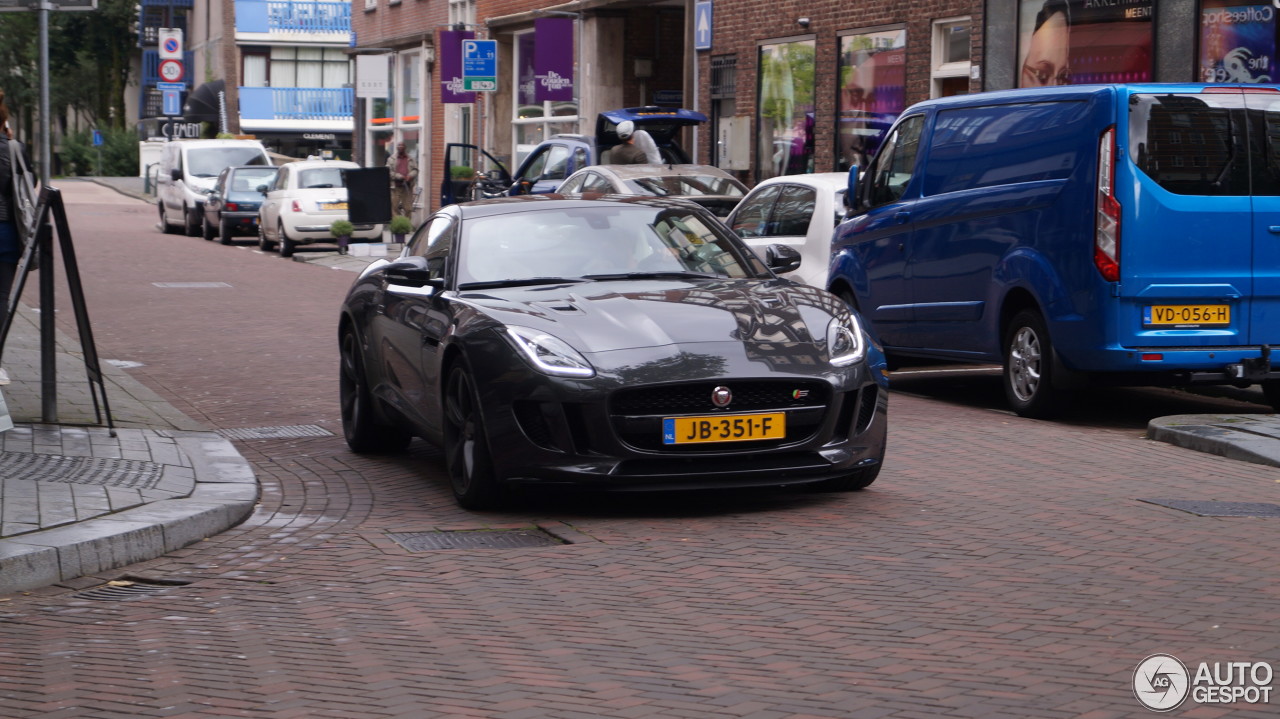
[
  {"x": 190, "y": 223},
  {"x": 287, "y": 246},
  {"x": 1028, "y": 367},
  {"x": 164, "y": 220}
]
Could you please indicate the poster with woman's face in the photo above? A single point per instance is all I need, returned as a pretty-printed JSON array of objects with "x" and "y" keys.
[{"x": 1072, "y": 42}]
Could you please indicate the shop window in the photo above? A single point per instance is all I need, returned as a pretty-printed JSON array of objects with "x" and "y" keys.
[
  {"x": 785, "y": 109},
  {"x": 533, "y": 121},
  {"x": 951, "y": 57},
  {"x": 1074, "y": 42},
  {"x": 873, "y": 78}
]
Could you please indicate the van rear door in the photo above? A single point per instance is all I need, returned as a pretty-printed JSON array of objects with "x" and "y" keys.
[
  {"x": 1187, "y": 238},
  {"x": 1263, "y": 109}
]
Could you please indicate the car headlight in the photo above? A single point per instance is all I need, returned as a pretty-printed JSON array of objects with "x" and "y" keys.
[
  {"x": 550, "y": 354},
  {"x": 845, "y": 343}
]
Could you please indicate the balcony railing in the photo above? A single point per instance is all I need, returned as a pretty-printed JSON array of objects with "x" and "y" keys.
[
  {"x": 296, "y": 103},
  {"x": 293, "y": 16}
]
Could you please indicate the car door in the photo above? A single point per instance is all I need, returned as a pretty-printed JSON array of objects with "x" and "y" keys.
[
  {"x": 750, "y": 219},
  {"x": 470, "y": 171},
  {"x": 409, "y": 326},
  {"x": 543, "y": 172},
  {"x": 871, "y": 251}
]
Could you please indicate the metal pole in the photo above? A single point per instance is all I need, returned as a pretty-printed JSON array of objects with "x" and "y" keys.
[{"x": 48, "y": 358}]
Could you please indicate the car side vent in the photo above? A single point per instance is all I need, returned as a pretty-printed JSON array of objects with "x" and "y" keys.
[{"x": 867, "y": 408}]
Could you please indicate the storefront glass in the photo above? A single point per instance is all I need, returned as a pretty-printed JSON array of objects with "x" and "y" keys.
[
  {"x": 1237, "y": 42},
  {"x": 1073, "y": 42},
  {"x": 873, "y": 77},
  {"x": 785, "y": 109}
]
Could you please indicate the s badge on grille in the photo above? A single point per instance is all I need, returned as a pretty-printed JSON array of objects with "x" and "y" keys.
[{"x": 721, "y": 396}]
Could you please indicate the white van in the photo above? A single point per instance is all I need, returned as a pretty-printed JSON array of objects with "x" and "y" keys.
[{"x": 188, "y": 170}]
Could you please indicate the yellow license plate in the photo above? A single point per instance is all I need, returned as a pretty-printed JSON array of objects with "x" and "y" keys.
[
  {"x": 724, "y": 428},
  {"x": 1186, "y": 315},
  {"x": 333, "y": 205}
]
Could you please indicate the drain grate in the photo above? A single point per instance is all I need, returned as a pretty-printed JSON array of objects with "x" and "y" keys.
[
  {"x": 190, "y": 285},
  {"x": 1219, "y": 509},
  {"x": 475, "y": 539},
  {"x": 126, "y": 473},
  {"x": 128, "y": 588},
  {"x": 297, "y": 430}
]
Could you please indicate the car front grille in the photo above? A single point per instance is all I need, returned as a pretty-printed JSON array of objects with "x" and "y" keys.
[{"x": 636, "y": 414}]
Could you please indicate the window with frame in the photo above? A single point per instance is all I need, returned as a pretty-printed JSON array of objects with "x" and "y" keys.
[
  {"x": 952, "y": 57},
  {"x": 785, "y": 108},
  {"x": 893, "y": 167},
  {"x": 873, "y": 79},
  {"x": 308, "y": 67}
]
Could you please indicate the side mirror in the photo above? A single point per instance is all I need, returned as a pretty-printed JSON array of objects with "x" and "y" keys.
[
  {"x": 781, "y": 258},
  {"x": 851, "y": 192},
  {"x": 411, "y": 271},
  {"x": 262, "y": 189},
  {"x": 175, "y": 174}
]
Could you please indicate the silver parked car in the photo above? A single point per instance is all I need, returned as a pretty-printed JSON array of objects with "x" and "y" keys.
[{"x": 708, "y": 186}]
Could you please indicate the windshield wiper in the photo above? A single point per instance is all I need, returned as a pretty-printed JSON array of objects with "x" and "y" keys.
[
  {"x": 526, "y": 281},
  {"x": 673, "y": 274}
]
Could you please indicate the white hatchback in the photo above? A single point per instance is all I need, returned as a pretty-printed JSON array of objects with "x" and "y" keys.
[
  {"x": 800, "y": 211},
  {"x": 302, "y": 202}
]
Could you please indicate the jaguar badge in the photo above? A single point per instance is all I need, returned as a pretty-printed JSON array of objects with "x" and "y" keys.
[{"x": 721, "y": 396}]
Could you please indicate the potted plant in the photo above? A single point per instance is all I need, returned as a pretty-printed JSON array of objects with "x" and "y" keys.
[
  {"x": 342, "y": 230},
  {"x": 399, "y": 227},
  {"x": 462, "y": 177}
]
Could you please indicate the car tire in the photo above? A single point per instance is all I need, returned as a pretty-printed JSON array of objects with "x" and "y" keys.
[
  {"x": 190, "y": 223},
  {"x": 1028, "y": 367},
  {"x": 466, "y": 447},
  {"x": 287, "y": 246},
  {"x": 263, "y": 243},
  {"x": 164, "y": 220},
  {"x": 363, "y": 432},
  {"x": 851, "y": 482},
  {"x": 206, "y": 230},
  {"x": 224, "y": 233}
]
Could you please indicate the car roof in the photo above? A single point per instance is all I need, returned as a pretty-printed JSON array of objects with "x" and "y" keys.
[
  {"x": 310, "y": 164},
  {"x": 820, "y": 180},
  {"x": 526, "y": 203},
  {"x": 627, "y": 172}
]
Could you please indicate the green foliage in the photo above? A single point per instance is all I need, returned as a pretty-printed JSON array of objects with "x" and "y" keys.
[
  {"x": 400, "y": 225},
  {"x": 461, "y": 172},
  {"x": 341, "y": 228},
  {"x": 119, "y": 154}
]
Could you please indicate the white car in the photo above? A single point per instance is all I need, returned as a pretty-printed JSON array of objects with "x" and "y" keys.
[
  {"x": 708, "y": 186},
  {"x": 800, "y": 211},
  {"x": 302, "y": 202}
]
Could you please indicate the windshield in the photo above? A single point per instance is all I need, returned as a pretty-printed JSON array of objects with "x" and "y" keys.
[
  {"x": 321, "y": 177},
  {"x": 686, "y": 185},
  {"x": 604, "y": 242},
  {"x": 209, "y": 161}
]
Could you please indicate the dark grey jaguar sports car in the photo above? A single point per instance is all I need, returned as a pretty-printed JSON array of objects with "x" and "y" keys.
[{"x": 617, "y": 343}]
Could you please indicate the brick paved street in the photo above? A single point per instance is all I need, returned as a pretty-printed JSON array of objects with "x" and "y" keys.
[{"x": 1000, "y": 567}]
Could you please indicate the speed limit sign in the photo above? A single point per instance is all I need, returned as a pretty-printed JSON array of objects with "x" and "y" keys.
[{"x": 171, "y": 70}]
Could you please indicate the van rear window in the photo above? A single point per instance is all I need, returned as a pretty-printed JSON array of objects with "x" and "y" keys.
[
  {"x": 1191, "y": 144},
  {"x": 1006, "y": 144}
]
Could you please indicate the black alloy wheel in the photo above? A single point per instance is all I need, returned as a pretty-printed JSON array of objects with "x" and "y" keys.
[
  {"x": 466, "y": 446},
  {"x": 363, "y": 432}
]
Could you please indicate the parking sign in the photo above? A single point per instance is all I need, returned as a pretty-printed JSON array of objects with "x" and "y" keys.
[{"x": 479, "y": 65}]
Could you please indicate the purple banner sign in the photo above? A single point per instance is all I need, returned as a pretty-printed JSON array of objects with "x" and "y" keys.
[
  {"x": 451, "y": 66},
  {"x": 553, "y": 59}
]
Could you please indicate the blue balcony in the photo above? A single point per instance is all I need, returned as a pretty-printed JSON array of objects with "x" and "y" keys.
[
  {"x": 296, "y": 103},
  {"x": 293, "y": 17}
]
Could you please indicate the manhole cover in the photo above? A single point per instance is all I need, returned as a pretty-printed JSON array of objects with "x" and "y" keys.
[
  {"x": 126, "y": 473},
  {"x": 1219, "y": 509},
  {"x": 190, "y": 285},
  {"x": 128, "y": 588},
  {"x": 474, "y": 539},
  {"x": 298, "y": 430}
]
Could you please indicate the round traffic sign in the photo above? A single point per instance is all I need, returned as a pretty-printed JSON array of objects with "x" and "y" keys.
[
  {"x": 171, "y": 44},
  {"x": 171, "y": 70}
]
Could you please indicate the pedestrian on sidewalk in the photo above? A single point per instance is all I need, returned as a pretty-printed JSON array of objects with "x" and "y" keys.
[
  {"x": 404, "y": 174},
  {"x": 17, "y": 192}
]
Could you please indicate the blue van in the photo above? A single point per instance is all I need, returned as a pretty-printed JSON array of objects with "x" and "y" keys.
[{"x": 1079, "y": 235}]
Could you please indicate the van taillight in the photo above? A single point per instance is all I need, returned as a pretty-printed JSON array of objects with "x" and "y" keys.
[{"x": 1106, "y": 234}]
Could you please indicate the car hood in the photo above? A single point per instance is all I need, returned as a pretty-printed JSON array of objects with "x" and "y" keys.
[{"x": 606, "y": 316}]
